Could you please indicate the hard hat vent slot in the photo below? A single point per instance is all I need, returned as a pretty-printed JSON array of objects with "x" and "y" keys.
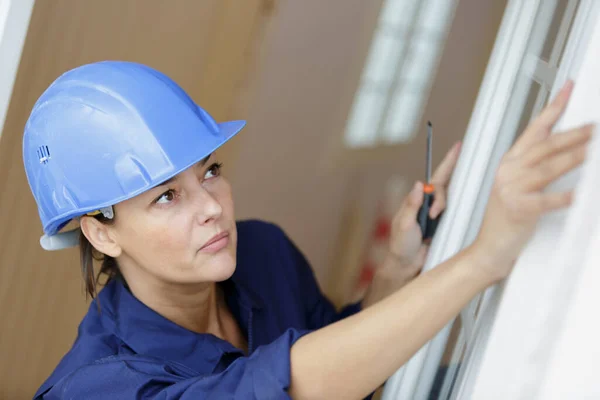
[{"x": 43, "y": 154}]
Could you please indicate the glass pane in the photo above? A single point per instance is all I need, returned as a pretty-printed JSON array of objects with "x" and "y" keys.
[
  {"x": 542, "y": 100},
  {"x": 420, "y": 60},
  {"x": 452, "y": 360},
  {"x": 401, "y": 118},
  {"x": 540, "y": 30},
  {"x": 434, "y": 15},
  {"x": 383, "y": 58},
  {"x": 528, "y": 109},
  {"x": 553, "y": 31},
  {"x": 364, "y": 118},
  {"x": 523, "y": 99},
  {"x": 561, "y": 50},
  {"x": 398, "y": 13}
]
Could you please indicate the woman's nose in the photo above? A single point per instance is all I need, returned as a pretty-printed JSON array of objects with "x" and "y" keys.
[{"x": 208, "y": 207}]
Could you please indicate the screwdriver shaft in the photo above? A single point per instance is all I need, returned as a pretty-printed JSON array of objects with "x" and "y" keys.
[{"x": 429, "y": 145}]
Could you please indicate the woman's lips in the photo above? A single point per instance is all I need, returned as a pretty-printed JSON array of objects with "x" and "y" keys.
[{"x": 216, "y": 243}]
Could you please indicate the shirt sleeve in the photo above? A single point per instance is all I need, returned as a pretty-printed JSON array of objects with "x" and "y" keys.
[
  {"x": 319, "y": 309},
  {"x": 265, "y": 374}
]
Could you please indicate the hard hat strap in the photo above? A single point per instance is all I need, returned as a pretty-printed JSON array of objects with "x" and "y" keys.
[{"x": 107, "y": 212}]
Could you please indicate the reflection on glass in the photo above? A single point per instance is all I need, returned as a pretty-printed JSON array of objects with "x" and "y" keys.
[
  {"x": 452, "y": 359},
  {"x": 552, "y": 38},
  {"x": 534, "y": 91}
]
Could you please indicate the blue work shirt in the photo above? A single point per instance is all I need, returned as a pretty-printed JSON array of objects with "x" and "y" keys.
[{"x": 128, "y": 351}]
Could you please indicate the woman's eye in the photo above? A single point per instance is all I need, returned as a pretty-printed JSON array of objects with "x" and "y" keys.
[
  {"x": 213, "y": 171},
  {"x": 166, "y": 197}
]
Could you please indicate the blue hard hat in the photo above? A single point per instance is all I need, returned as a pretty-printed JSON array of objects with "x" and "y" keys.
[{"x": 106, "y": 132}]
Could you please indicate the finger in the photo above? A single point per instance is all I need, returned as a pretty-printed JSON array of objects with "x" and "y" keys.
[
  {"x": 543, "y": 123},
  {"x": 558, "y": 143},
  {"x": 443, "y": 172},
  {"x": 541, "y": 203},
  {"x": 550, "y": 115},
  {"x": 552, "y": 168},
  {"x": 410, "y": 207},
  {"x": 439, "y": 202}
]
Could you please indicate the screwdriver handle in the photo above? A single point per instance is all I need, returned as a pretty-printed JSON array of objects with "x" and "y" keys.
[{"x": 427, "y": 224}]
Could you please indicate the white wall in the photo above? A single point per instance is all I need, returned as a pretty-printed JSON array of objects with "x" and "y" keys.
[{"x": 312, "y": 56}]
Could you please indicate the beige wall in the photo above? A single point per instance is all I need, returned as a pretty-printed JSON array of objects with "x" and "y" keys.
[
  {"x": 309, "y": 48},
  {"x": 312, "y": 61}
]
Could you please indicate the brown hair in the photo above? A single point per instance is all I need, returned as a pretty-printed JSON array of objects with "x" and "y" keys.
[{"x": 108, "y": 265}]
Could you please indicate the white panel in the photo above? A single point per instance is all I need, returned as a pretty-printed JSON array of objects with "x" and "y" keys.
[
  {"x": 14, "y": 21},
  {"x": 573, "y": 370}
]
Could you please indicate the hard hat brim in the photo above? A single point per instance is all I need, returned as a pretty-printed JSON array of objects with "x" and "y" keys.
[{"x": 63, "y": 240}]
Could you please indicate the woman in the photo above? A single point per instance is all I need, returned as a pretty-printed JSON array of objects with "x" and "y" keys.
[{"x": 199, "y": 306}]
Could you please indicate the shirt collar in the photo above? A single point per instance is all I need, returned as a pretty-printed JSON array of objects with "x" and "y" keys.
[{"x": 146, "y": 332}]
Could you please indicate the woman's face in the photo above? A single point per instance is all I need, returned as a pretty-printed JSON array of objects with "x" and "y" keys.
[{"x": 182, "y": 231}]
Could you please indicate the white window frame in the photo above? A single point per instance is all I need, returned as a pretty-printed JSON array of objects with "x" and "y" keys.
[
  {"x": 481, "y": 144},
  {"x": 471, "y": 341},
  {"x": 14, "y": 22},
  {"x": 542, "y": 294},
  {"x": 471, "y": 183}
]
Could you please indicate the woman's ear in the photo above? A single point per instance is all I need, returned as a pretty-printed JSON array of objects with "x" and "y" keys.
[{"x": 98, "y": 234}]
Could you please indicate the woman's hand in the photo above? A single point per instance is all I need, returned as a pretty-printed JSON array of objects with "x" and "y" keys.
[
  {"x": 407, "y": 251},
  {"x": 518, "y": 199}
]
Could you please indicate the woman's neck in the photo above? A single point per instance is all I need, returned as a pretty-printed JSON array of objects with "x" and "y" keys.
[
  {"x": 194, "y": 307},
  {"x": 200, "y": 308}
]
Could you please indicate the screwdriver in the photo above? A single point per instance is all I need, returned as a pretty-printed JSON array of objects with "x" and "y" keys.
[{"x": 427, "y": 224}]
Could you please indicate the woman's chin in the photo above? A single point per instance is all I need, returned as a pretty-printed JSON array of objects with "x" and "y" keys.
[{"x": 218, "y": 268}]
